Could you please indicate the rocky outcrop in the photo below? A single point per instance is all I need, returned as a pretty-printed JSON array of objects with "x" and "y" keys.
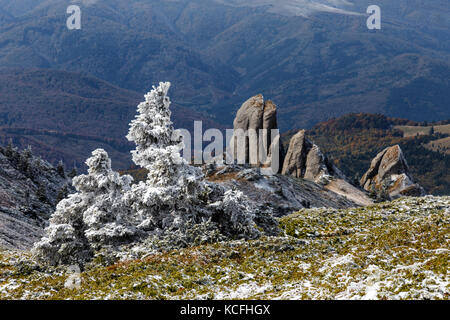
[
  {"x": 29, "y": 190},
  {"x": 305, "y": 160},
  {"x": 282, "y": 194},
  {"x": 255, "y": 115},
  {"x": 389, "y": 175}
]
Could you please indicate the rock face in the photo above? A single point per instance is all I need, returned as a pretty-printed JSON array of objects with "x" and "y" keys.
[
  {"x": 389, "y": 174},
  {"x": 305, "y": 160},
  {"x": 29, "y": 191},
  {"x": 255, "y": 115}
]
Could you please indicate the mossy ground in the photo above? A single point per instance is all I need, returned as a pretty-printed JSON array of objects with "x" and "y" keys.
[{"x": 396, "y": 250}]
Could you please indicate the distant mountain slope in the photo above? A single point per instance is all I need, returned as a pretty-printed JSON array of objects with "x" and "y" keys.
[
  {"x": 65, "y": 115},
  {"x": 128, "y": 43},
  {"x": 296, "y": 7},
  {"x": 20, "y": 7},
  {"x": 352, "y": 141},
  {"x": 66, "y": 102},
  {"x": 5, "y": 17},
  {"x": 218, "y": 53}
]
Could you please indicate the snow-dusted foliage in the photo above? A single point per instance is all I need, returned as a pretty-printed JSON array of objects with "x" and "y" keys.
[
  {"x": 175, "y": 207},
  {"x": 157, "y": 144},
  {"x": 93, "y": 217},
  {"x": 176, "y": 200}
]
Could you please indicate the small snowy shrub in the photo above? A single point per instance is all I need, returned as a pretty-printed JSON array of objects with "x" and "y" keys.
[{"x": 93, "y": 217}]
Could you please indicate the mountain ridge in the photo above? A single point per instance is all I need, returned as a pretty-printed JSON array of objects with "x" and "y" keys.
[{"x": 217, "y": 55}]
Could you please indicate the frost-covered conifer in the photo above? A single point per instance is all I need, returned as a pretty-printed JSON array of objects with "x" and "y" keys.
[
  {"x": 157, "y": 144},
  {"x": 176, "y": 194},
  {"x": 93, "y": 217},
  {"x": 173, "y": 190},
  {"x": 175, "y": 207}
]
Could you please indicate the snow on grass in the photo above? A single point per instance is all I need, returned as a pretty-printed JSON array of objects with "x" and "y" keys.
[{"x": 395, "y": 250}]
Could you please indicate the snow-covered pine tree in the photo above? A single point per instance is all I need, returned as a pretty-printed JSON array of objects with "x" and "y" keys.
[
  {"x": 175, "y": 207},
  {"x": 158, "y": 145},
  {"x": 90, "y": 219},
  {"x": 176, "y": 195},
  {"x": 171, "y": 192}
]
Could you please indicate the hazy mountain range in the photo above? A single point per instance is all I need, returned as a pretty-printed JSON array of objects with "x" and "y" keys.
[{"x": 315, "y": 59}]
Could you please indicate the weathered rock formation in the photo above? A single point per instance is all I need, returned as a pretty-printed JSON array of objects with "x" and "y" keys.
[
  {"x": 389, "y": 174},
  {"x": 253, "y": 127},
  {"x": 305, "y": 160}
]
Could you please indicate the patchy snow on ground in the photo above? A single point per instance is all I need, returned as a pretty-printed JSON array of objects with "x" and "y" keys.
[{"x": 393, "y": 250}]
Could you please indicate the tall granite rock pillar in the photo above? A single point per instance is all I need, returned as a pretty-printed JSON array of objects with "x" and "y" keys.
[{"x": 256, "y": 140}]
